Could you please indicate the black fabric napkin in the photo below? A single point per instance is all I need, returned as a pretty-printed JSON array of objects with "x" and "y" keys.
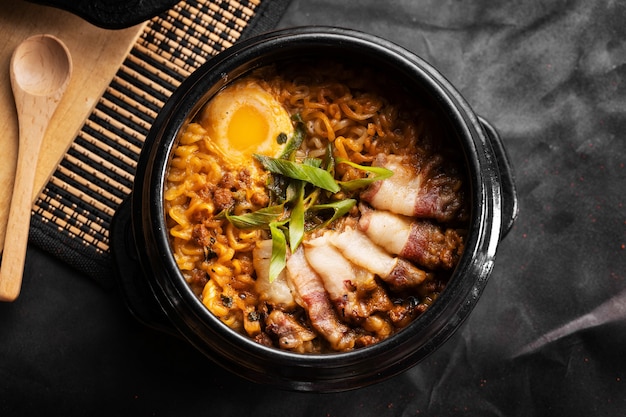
[{"x": 112, "y": 14}]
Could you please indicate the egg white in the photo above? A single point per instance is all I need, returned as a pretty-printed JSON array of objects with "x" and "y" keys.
[{"x": 244, "y": 119}]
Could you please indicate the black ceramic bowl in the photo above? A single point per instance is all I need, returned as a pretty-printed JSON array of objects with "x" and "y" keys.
[{"x": 159, "y": 296}]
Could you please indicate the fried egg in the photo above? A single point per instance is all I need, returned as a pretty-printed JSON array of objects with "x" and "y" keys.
[{"x": 244, "y": 119}]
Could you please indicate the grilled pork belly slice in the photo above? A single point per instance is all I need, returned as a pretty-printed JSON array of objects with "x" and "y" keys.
[
  {"x": 420, "y": 241},
  {"x": 353, "y": 290},
  {"x": 359, "y": 249},
  {"x": 337, "y": 272},
  {"x": 419, "y": 187},
  {"x": 312, "y": 296}
]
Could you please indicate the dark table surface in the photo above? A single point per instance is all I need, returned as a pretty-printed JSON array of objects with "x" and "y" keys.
[{"x": 548, "y": 337}]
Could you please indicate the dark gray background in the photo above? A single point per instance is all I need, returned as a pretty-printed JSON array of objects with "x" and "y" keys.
[{"x": 548, "y": 337}]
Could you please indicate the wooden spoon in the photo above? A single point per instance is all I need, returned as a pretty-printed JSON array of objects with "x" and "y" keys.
[{"x": 41, "y": 67}]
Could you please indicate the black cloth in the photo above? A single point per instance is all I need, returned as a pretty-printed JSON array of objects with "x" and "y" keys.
[{"x": 548, "y": 336}]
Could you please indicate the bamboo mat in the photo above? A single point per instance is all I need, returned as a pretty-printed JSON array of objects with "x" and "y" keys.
[
  {"x": 72, "y": 215},
  {"x": 87, "y": 44}
]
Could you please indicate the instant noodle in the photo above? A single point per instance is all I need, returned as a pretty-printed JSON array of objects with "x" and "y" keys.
[{"x": 316, "y": 207}]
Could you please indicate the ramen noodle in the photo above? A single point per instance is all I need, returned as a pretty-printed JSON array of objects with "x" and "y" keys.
[{"x": 316, "y": 207}]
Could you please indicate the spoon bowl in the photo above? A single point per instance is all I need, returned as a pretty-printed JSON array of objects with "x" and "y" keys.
[{"x": 41, "y": 68}]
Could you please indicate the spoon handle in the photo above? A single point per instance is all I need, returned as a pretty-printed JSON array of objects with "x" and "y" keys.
[
  {"x": 40, "y": 70},
  {"x": 18, "y": 225}
]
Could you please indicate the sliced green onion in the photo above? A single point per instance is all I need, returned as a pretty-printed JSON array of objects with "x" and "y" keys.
[
  {"x": 380, "y": 173},
  {"x": 257, "y": 219},
  {"x": 296, "y": 220},
  {"x": 313, "y": 175},
  {"x": 294, "y": 143},
  {"x": 279, "y": 250},
  {"x": 339, "y": 209},
  {"x": 329, "y": 160},
  {"x": 314, "y": 162}
]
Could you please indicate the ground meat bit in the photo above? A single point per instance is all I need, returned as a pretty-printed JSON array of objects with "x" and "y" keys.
[
  {"x": 228, "y": 181},
  {"x": 200, "y": 216},
  {"x": 365, "y": 303},
  {"x": 247, "y": 267},
  {"x": 421, "y": 308},
  {"x": 201, "y": 236},
  {"x": 223, "y": 199},
  {"x": 260, "y": 199},
  {"x": 455, "y": 242},
  {"x": 244, "y": 177},
  {"x": 263, "y": 339},
  {"x": 243, "y": 283},
  {"x": 206, "y": 192},
  {"x": 365, "y": 340},
  {"x": 402, "y": 314},
  {"x": 198, "y": 280}
]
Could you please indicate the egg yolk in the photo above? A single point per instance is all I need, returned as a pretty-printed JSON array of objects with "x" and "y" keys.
[
  {"x": 247, "y": 128},
  {"x": 244, "y": 119}
]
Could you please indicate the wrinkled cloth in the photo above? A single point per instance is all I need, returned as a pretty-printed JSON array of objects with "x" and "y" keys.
[{"x": 547, "y": 337}]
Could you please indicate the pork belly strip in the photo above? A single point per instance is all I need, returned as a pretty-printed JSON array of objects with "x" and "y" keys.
[
  {"x": 314, "y": 299},
  {"x": 353, "y": 290},
  {"x": 277, "y": 292},
  {"x": 420, "y": 241},
  {"x": 417, "y": 188},
  {"x": 337, "y": 273},
  {"x": 361, "y": 250}
]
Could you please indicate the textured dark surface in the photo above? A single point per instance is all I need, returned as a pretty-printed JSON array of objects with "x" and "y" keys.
[{"x": 549, "y": 334}]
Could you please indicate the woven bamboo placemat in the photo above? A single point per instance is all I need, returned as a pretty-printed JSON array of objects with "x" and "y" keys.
[{"x": 72, "y": 216}]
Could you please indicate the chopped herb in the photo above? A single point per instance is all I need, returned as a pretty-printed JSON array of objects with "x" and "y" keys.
[
  {"x": 209, "y": 253},
  {"x": 281, "y": 139},
  {"x": 226, "y": 301}
]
